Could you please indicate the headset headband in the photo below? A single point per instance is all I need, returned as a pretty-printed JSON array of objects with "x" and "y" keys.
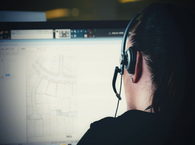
[{"x": 122, "y": 59}]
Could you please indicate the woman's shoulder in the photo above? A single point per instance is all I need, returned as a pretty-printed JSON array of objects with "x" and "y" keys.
[
  {"x": 135, "y": 127},
  {"x": 127, "y": 118}
]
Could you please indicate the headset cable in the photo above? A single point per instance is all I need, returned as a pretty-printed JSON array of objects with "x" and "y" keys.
[{"x": 119, "y": 95}]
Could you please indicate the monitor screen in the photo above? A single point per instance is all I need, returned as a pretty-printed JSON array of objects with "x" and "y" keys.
[{"x": 56, "y": 79}]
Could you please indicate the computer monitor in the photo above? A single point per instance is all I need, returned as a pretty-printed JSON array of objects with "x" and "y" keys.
[{"x": 56, "y": 79}]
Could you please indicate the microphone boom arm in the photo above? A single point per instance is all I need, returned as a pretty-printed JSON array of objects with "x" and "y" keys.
[{"x": 117, "y": 70}]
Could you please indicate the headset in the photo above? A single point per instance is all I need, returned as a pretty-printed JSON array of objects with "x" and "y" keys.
[{"x": 127, "y": 60}]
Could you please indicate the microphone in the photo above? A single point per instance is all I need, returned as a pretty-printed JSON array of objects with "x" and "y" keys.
[{"x": 117, "y": 70}]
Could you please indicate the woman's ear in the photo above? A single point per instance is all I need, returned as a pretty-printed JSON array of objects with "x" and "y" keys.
[{"x": 138, "y": 68}]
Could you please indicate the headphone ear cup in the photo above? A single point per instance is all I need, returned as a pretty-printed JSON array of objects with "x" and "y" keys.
[{"x": 130, "y": 60}]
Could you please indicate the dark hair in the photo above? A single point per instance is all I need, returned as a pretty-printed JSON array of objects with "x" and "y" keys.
[{"x": 163, "y": 38}]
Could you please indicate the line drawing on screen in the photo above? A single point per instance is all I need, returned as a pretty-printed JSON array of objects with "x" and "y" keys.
[{"x": 51, "y": 97}]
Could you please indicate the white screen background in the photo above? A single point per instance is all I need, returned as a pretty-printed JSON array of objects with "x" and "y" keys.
[{"x": 57, "y": 89}]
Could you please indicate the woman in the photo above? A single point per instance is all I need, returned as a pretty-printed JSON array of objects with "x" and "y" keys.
[{"x": 162, "y": 80}]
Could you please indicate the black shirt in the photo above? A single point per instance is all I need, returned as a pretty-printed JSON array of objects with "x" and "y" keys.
[{"x": 132, "y": 127}]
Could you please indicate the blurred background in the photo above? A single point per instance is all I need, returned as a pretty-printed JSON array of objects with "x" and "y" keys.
[{"x": 84, "y": 10}]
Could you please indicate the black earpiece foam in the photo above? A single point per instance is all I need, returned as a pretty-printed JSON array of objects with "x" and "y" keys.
[{"x": 130, "y": 60}]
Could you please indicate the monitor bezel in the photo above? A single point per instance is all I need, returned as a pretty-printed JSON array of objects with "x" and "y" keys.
[{"x": 64, "y": 25}]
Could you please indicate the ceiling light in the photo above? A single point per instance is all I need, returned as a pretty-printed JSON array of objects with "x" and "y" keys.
[
  {"x": 57, "y": 13},
  {"x": 127, "y": 1}
]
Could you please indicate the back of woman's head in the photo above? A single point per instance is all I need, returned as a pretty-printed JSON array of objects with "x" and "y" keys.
[{"x": 164, "y": 39}]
